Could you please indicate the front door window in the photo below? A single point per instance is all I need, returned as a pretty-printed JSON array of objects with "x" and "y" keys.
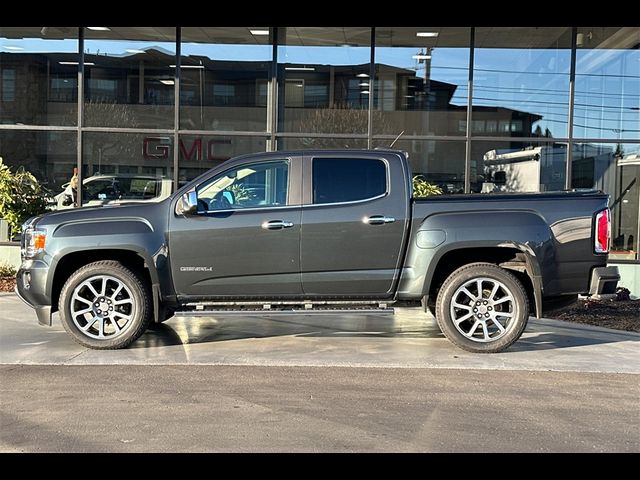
[{"x": 259, "y": 185}]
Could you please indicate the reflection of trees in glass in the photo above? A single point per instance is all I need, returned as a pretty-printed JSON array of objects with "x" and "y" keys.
[
  {"x": 343, "y": 120},
  {"x": 117, "y": 114},
  {"x": 538, "y": 132}
]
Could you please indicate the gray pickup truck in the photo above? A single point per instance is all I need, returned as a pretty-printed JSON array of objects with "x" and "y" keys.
[{"x": 307, "y": 231}]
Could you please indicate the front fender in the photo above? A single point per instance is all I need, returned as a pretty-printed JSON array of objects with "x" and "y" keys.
[
  {"x": 134, "y": 235},
  {"x": 442, "y": 233}
]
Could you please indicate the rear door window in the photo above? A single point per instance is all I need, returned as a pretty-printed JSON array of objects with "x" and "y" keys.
[{"x": 337, "y": 180}]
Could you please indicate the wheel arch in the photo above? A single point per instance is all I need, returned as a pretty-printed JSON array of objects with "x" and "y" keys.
[
  {"x": 513, "y": 257},
  {"x": 518, "y": 240},
  {"x": 69, "y": 262}
]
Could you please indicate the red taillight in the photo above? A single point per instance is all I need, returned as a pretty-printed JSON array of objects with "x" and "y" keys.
[{"x": 603, "y": 231}]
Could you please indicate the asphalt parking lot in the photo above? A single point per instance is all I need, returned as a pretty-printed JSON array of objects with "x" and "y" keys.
[{"x": 316, "y": 383}]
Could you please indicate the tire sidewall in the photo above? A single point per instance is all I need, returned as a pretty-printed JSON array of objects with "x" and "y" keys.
[
  {"x": 460, "y": 277},
  {"x": 139, "y": 308}
]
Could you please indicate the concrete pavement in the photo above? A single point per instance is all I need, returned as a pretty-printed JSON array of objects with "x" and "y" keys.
[{"x": 409, "y": 339}]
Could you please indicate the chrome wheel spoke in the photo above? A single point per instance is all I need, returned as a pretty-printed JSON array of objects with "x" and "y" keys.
[
  {"x": 497, "y": 324},
  {"x": 485, "y": 331},
  {"x": 81, "y": 299},
  {"x": 463, "y": 318},
  {"x": 493, "y": 292},
  {"x": 468, "y": 294},
  {"x": 474, "y": 328},
  {"x": 460, "y": 305},
  {"x": 479, "y": 287},
  {"x": 116, "y": 292},
  {"x": 507, "y": 298},
  {"x": 115, "y": 325},
  {"x": 101, "y": 327},
  {"x": 89, "y": 324},
  {"x": 82, "y": 312},
  {"x": 90, "y": 287},
  {"x": 103, "y": 290},
  {"x": 123, "y": 302}
]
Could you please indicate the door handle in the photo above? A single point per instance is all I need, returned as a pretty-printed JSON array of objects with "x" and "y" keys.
[
  {"x": 379, "y": 220},
  {"x": 276, "y": 225}
]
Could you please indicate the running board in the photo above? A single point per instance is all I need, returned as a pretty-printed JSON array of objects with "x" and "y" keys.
[
  {"x": 328, "y": 311},
  {"x": 285, "y": 307}
]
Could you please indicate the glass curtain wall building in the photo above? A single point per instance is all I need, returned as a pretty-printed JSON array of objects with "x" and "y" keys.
[{"x": 478, "y": 109}]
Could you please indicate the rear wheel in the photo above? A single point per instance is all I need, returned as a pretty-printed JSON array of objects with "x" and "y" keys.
[
  {"x": 105, "y": 305},
  {"x": 482, "y": 308}
]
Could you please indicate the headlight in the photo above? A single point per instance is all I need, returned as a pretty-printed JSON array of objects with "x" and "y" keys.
[{"x": 34, "y": 241}]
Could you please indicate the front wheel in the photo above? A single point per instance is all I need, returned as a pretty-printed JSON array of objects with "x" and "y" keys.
[
  {"x": 482, "y": 308},
  {"x": 105, "y": 306}
]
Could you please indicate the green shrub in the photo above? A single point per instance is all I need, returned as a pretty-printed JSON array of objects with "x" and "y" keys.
[
  {"x": 21, "y": 197},
  {"x": 7, "y": 270},
  {"x": 422, "y": 188}
]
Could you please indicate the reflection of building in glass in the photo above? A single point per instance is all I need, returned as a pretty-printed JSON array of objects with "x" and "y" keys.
[{"x": 133, "y": 89}]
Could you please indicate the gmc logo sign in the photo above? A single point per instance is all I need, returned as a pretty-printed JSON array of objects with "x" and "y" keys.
[{"x": 158, "y": 148}]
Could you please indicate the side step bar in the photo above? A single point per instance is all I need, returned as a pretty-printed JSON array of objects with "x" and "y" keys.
[
  {"x": 333, "y": 311},
  {"x": 288, "y": 307}
]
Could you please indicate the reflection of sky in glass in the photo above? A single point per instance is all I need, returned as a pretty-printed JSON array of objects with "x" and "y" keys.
[
  {"x": 324, "y": 55},
  {"x": 120, "y": 47},
  {"x": 228, "y": 52},
  {"x": 37, "y": 45},
  {"x": 528, "y": 80},
  {"x": 607, "y": 101}
]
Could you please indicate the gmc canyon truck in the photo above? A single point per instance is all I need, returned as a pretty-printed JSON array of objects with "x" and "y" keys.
[{"x": 306, "y": 231}]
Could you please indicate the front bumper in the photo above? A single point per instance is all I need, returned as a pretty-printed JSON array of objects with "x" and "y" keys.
[
  {"x": 604, "y": 281},
  {"x": 31, "y": 282}
]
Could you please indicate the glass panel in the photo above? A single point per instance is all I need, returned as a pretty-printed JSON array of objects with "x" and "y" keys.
[
  {"x": 607, "y": 83},
  {"x": 39, "y": 75},
  {"x": 421, "y": 80},
  {"x": 199, "y": 153},
  {"x": 521, "y": 81},
  {"x": 614, "y": 169},
  {"x": 359, "y": 179},
  {"x": 440, "y": 162},
  {"x": 518, "y": 166},
  {"x": 126, "y": 167},
  {"x": 224, "y": 81},
  {"x": 303, "y": 143},
  {"x": 129, "y": 77},
  {"x": 50, "y": 156},
  {"x": 321, "y": 72},
  {"x": 249, "y": 186}
]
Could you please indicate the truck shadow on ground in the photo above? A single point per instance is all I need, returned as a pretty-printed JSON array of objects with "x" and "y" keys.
[
  {"x": 227, "y": 328},
  {"x": 182, "y": 331}
]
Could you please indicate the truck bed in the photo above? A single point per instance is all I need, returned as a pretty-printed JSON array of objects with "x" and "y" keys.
[{"x": 557, "y": 231}]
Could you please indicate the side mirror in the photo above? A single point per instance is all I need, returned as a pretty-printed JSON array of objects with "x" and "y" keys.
[{"x": 188, "y": 204}]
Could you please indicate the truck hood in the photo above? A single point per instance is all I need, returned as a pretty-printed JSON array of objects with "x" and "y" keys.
[{"x": 106, "y": 212}]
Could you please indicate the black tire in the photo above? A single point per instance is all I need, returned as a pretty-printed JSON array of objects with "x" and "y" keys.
[
  {"x": 138, "y": 297},
  {"x": 481, "y": 342}
]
